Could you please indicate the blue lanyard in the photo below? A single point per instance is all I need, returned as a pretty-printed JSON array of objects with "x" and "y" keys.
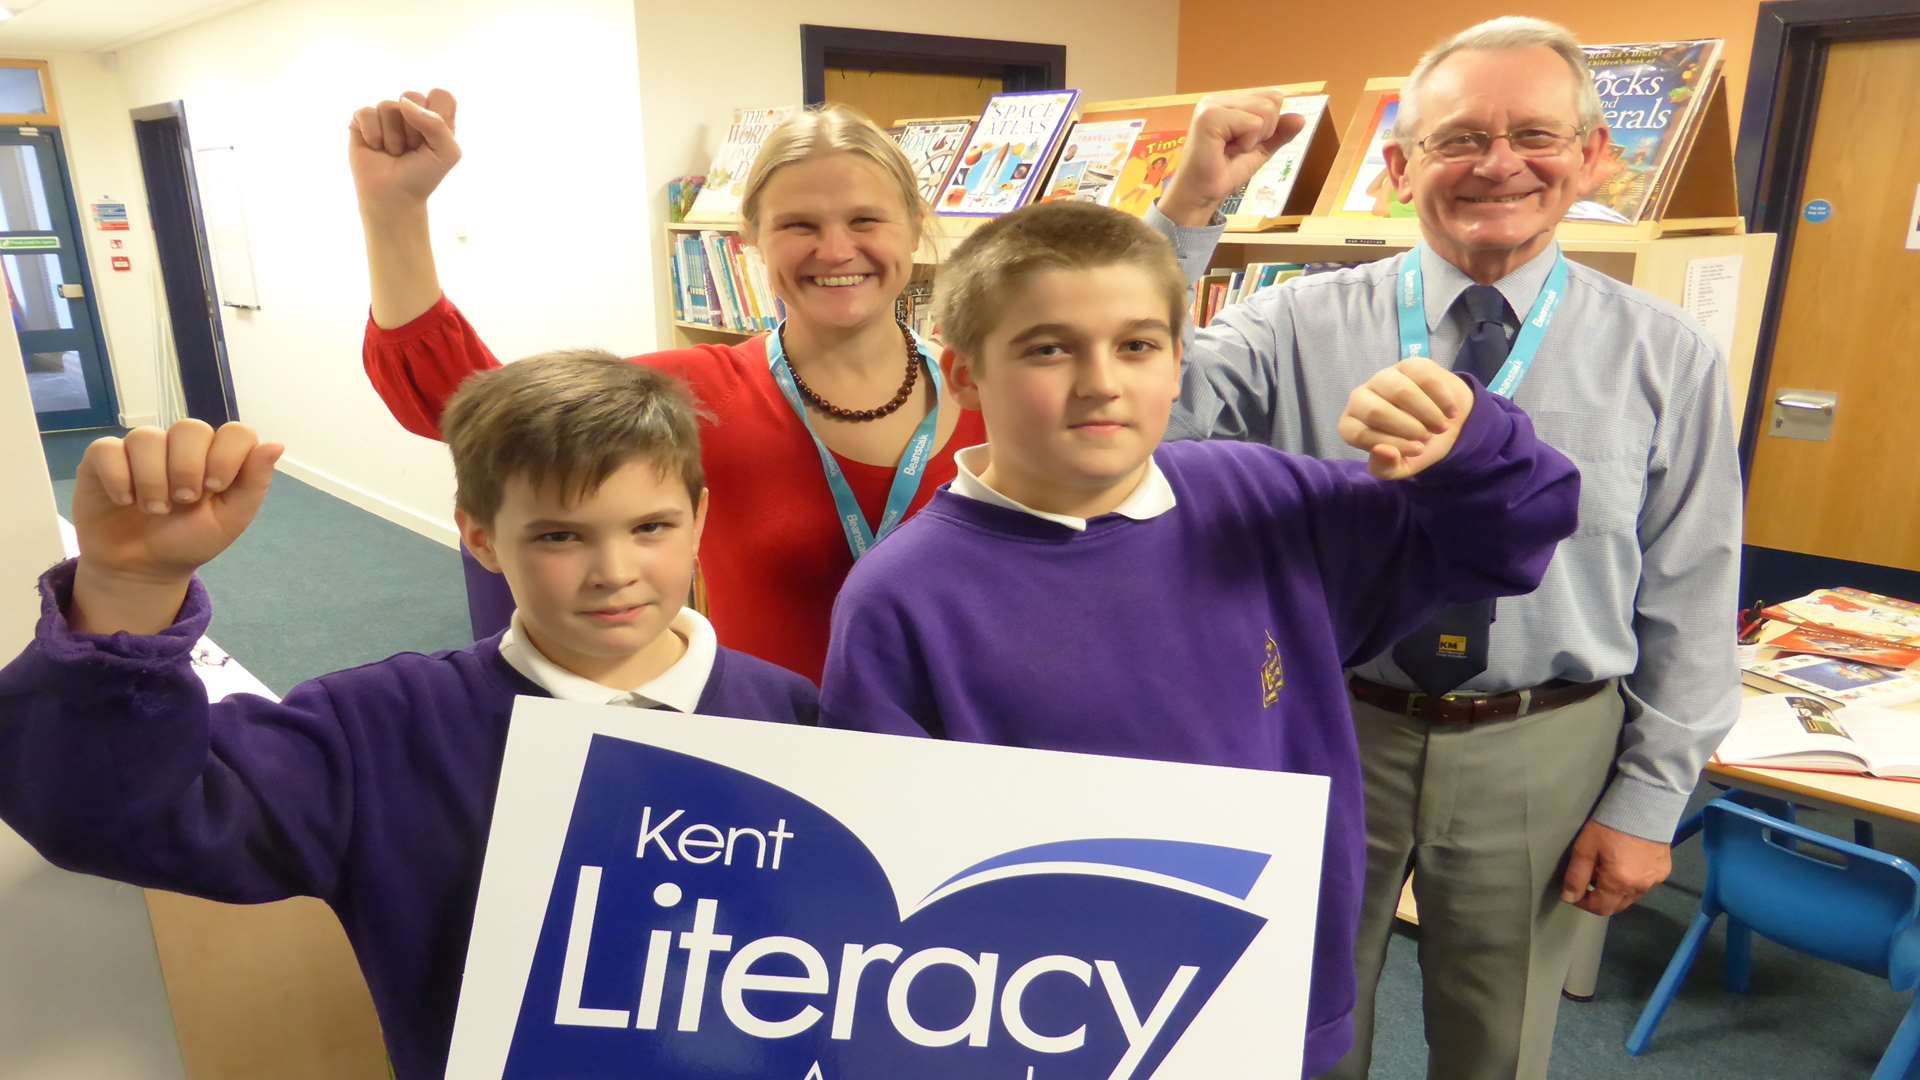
[
  {"x": 906, "y": 476},
  {"x": 1526, "y": 344}
]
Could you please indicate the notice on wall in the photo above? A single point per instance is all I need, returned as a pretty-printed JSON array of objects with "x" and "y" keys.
[
  {"x": 1712, "y": 295},
  {"x": 1913, "y": 222},
  {"x": 110, "y": 216}
]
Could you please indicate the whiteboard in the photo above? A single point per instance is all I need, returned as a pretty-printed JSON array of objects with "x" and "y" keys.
[{"x": 223, "y": 208}]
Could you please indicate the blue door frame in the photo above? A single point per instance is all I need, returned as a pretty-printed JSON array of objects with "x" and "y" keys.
[{"x": 61, "y": 241}]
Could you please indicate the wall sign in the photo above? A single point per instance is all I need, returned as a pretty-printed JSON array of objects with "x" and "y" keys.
[{"x": 670, "y": 895}]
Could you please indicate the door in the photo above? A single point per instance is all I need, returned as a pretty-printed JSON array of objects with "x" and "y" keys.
[
  {"x": 48, "y": 291},
  {"x": 1849, "y": 325},
  {"x": 180, "y": 240}
]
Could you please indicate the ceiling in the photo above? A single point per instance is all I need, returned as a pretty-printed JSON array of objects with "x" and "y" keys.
[{"x": 99, "y": 25}]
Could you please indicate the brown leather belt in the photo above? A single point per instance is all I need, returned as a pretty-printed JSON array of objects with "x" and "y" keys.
[{"x": 1473, "y": 709}]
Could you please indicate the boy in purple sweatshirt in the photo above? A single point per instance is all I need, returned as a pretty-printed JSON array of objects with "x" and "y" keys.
[
  {"x": 1080, "y": 586},
  {"x": 578, "y": 478}
]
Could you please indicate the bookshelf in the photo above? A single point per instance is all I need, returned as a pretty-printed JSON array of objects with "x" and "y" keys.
[
  {"x": 1659, "y": 265},
  {"x": 1697, "y": 243}
]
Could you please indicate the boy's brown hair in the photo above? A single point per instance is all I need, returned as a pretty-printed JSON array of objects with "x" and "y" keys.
[
  {"x": 571, "y": 418},
  {"x": 988, "y": 266}
]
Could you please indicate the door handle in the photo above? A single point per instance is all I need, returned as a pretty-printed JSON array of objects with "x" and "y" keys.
[
  {"x": 73, "y": 291},
  {"x": 1787, "y": 402}
]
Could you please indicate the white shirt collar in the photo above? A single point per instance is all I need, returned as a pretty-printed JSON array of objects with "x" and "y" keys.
[
  {"x": 1445, "y": 282},
  {"x": 1151, "y": 498},
  {"x": 679, "y": 687}
]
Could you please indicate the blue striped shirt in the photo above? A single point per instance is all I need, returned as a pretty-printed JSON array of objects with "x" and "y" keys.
[{"x": 1626, "y": 385}]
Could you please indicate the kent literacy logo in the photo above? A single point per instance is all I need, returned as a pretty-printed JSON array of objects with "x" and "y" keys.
[{"x": 704, "y": 922}]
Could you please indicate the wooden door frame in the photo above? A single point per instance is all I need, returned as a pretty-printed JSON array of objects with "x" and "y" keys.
[
  {"x": 1024, "y": 65},
  {"x": 1790, "y": 44}
]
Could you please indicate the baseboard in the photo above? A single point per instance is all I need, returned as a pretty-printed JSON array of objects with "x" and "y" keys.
[
  {"x": 438, "y": 529},
  {"x": 131, "y": 420}
]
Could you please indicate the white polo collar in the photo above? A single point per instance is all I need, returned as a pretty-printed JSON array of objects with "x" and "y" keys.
[
  {"x": 1152, "y": 497},
  {"x": 679, "y": 687}
]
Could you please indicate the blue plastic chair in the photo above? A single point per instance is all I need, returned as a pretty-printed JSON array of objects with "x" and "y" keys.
[{"x": 1863, "y": 911}]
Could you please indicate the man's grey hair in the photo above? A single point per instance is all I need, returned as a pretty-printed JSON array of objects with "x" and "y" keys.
[{"x": 1506, "y": 32}]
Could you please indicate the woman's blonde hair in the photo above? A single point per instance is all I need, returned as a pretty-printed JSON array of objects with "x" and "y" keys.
[{"x": 833, "y": 129}]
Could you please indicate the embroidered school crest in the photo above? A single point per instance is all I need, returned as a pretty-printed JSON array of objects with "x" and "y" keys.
[{"x": 1272, "y": 677}]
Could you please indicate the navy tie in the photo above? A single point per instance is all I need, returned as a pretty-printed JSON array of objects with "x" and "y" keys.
[{"x": 1452, "y": 647}]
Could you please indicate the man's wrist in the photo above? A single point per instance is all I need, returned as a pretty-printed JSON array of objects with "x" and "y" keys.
[{"x": 1189, "y": 211}]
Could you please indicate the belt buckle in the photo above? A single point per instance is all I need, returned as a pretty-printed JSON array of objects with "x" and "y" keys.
[{"x": 1416, "y": 703}]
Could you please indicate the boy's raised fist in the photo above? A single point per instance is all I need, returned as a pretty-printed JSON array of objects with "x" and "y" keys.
[
  {"x": 401, "y": 149},
  {"x": 1406, "y": 417}
]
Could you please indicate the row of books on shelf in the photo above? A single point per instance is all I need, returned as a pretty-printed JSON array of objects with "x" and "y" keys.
[
  {"x": 720, "y": 282},
  {"x": 1035, "y": 146},
  {"x": 1838, "y": 664},
  {"x": 1218, "y": 288}
]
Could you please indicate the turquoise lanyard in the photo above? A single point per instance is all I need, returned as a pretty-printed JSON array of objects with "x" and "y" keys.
[
  {"x": 1526, "y": 345},
  {"x": 906, "y": 476}
]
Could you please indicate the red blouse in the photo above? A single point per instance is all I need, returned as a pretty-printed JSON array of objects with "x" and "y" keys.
[{"x": 773, "y": 554}]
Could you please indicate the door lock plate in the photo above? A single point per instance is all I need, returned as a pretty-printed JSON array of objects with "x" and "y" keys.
[{"x": 1803, "y": 414}]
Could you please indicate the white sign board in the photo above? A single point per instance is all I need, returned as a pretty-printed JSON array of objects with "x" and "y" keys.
[{"x": 670, "y": 895}]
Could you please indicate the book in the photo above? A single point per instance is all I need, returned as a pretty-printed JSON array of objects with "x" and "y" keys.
[
  {"x": 680, "y": 193},
  {"x": 1008, "y": 154},
  {"x": 1847, "y": 682},
  {"x": 1792, "y": 731},
  {"x": 1265, "y": 194},
  {"x": 932, "y": 146},
  {"x": 1853, "y": 613},
  {"x": 1802, "y": 639},
  {"x": 1367, "y": 191},
  {"x": 719, "y": 198},
  {"x": 1652, "y": 97},
  {"x": 1091, "y": 160}
]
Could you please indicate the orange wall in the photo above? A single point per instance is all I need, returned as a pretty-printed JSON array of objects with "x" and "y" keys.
[{"x": 1228, "y": 43}]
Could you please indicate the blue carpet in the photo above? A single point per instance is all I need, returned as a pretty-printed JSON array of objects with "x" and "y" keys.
[{"x": 317, "y": 585}]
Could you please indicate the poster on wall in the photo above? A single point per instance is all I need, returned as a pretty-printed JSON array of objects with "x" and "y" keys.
[{"x": 672, "y": 895}]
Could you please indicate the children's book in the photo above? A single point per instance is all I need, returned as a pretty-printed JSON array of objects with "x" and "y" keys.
[
  {"x": 932, "y": 146},
  {"x": 1266, "y": 194},
  {"x": 1008, "y": 154},
  {"x": 719, "y": 198},
  {"x": 1367, "y": 190},
  {"x": 1802, "y": 639},
  {"x": 1854, "y": 613},
  {"x": 1091, "y": 160},
  {"x": 1847, "y": 682},
  {"x": 1791, "y": 731},
  {"x": 1652, "y": 97}
]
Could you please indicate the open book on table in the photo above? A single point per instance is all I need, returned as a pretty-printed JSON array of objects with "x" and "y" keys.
[{"x": 1794, "y": 731}]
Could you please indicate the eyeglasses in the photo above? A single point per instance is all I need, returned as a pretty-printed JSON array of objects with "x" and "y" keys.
[{"x": 1465, "y": 144}]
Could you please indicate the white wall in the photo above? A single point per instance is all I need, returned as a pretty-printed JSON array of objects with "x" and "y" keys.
[
  {"x": 80, "y": 988},
  {"x": 541, "y": 237},
  {"x": 701, "y": 60}
]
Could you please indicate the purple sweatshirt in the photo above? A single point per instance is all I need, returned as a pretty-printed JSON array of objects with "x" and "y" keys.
[
  {"x": 371, "y": 788},
  {"x": 1215, "y": 633}
]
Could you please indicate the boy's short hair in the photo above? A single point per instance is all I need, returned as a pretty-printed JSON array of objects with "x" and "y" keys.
[
  {"x": 973, "y": 285},
  {"x": 573, "y": 418}
]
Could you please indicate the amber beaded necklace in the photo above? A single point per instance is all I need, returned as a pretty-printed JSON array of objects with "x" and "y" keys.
[{"x": 838, "y": 413}]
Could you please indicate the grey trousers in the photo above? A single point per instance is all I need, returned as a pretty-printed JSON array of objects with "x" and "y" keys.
[{"x": 1484, "y": 815}]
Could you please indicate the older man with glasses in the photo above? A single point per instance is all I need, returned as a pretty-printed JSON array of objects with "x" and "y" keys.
[{"x": 1530, "y": 758}]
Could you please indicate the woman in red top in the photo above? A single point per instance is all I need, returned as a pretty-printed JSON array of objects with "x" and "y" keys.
[{"x": 819, "y": 435}]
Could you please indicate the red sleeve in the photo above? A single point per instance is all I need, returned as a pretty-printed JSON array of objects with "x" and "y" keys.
[{"x": 415, "y": 368}]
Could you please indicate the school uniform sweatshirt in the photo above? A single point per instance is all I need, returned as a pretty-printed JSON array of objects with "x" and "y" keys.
[
  {"x": 371, "y": 788},
  {"x": 1216, "y": 633}
]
